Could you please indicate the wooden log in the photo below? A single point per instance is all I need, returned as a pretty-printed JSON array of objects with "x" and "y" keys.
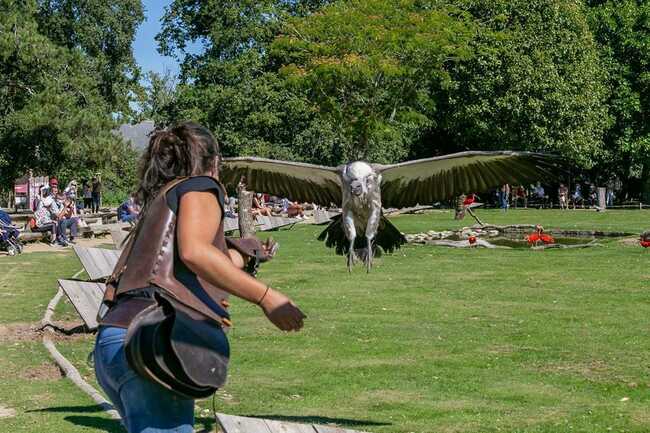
[
  {"x": 407, "y": 210},
  {"x": 464, "y": 244},
  {"x": 30, "y": 236},
  {"x": 563, "y": 247},
  {"x": 524, "y": 228},
  {"x": 66, "y": 367},
  {"x": 246, "y": 220}
]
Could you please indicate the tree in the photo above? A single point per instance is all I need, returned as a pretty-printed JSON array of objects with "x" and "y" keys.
[
  {"x": 157, "y": 99},
  {"x": 54, "y": 118},
  {"x": 104, "y": 32},
  {"x": 371, "y": 68},
  {"x": 535, "y": 82},
  {"x": 622, "y": 30},
  {"x": 231, "y": 87}
]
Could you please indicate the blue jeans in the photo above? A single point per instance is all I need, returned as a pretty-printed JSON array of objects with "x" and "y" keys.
[
  {"x": 68, "y": 223},
  {"x": 145, "y": 407},
  {"x": 96, "y": 201},
  {"x": 128, "y": 218}
]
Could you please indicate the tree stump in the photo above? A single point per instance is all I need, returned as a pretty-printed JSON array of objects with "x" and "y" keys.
[{"x": 245, "y": 216}]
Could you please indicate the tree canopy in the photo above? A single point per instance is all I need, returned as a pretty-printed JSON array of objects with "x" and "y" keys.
[
  {"x": 328, "y": 81},
  {"x": 57, "y": 115}
]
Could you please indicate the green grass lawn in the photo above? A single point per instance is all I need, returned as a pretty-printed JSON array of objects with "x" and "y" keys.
[{"x": 432, "y": 340}]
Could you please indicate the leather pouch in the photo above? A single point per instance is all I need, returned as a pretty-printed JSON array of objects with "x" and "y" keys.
[{"x": 178, "y": 348}]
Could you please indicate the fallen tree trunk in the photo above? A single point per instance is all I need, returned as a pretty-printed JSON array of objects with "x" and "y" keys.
[
  {"x": 561, "y": 246},
  {"x": 464, "y": 244},
  {"x": 408, "y": 210},
  {"x": 523, "y": 228}
]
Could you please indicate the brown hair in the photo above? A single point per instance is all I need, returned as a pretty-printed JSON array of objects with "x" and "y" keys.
[{"x": 185, "y": 149}]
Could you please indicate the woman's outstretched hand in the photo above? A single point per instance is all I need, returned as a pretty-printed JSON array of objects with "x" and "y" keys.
[
  {"x": 282, "y": 312},
  {"x": 270, "y": 247}
]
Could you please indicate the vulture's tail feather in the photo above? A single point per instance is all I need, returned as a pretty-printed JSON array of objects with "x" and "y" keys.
[{"x": 389, "y": 238}]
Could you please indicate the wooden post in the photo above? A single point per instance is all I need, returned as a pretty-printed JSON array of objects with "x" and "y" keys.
[
  {"x": 245, "y": 216},
  {"x": 602, "y": 198}
]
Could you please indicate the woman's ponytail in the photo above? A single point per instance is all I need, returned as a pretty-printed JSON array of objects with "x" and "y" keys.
[{"x": 187, "y": 149}]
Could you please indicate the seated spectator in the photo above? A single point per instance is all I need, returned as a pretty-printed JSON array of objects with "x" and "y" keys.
[
  {"x": 292, "y": 209},
  {"x": 71, "y": 190},
  {"x": 593, "y": 195},
  {"x": 42, "y": 221},
  {"x": 539, "y": 194},
  {"x": 64, "y": 212},
  {"x": 68, "y": 219},
  {"x": 231, "y": 207},
  {"x": 258, "y": 207},
  {"x": 520, "y": 194},
  {"x": 128, "y": 211}
]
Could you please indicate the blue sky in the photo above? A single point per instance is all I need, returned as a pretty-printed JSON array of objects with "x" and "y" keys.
[{"x": 145, "y": 47}]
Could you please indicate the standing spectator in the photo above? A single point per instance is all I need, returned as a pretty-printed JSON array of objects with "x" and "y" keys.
[
  {"x": 504, "y": 195},
  {"x": 610, "y": 197},
  {"x": 96, "y": 193},
  {"x": 563, "y": 194},
  {"x": 88, "y": 196},
  {"x": 577, "y": 197}
]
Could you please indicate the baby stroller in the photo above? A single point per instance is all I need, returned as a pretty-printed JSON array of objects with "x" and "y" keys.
[{"x": 9, "y": 236}]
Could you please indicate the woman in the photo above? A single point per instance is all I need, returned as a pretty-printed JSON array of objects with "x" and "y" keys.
[
  {"x": 88, "y": 196},
  {"x": 199, "y": 268},
  {"x": 259, "y": 207},
  {"x": 43, "y": 219}
]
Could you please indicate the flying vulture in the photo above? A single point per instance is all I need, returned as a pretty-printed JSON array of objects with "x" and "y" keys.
[{"x": 361, "y": 189}]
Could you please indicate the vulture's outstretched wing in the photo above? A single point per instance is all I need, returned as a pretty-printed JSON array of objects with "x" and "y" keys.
[
  {"x": 425, "y": 181},
  {"x": 295, "y": 180}
]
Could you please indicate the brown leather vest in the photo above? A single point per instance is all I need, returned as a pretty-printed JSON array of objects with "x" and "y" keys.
[{"x": 148, "y": 260}]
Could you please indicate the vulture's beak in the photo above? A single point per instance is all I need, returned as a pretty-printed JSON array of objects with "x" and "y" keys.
[{"x": 356, "y": 188}]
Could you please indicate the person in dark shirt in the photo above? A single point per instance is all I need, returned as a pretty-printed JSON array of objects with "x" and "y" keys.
[
  {"x": 186, "y": 150},
  {"x": 96, "y": 193}
]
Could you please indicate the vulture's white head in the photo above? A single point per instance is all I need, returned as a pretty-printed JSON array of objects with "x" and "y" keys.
[{"x": 360, "y": 178}]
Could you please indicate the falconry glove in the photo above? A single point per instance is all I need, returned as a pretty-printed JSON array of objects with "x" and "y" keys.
[{"x": 255, "y": 252}]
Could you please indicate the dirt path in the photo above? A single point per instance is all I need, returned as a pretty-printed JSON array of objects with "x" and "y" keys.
[
  {"x": 16, "y": 332},
  {"x": 34, "y": 247}
]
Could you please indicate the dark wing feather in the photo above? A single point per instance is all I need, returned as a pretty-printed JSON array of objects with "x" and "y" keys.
[
  {"x": 389, "y": 238},
  {"x": 426, "y": 181},
  {"x": 294, "y": 180}
]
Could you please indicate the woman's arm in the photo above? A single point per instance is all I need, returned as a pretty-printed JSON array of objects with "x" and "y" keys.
[{"x": 195, "y": 233}]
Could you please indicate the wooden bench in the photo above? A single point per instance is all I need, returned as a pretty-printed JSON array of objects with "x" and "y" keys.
[
  {"x": 118, "y": 236},
  {"x": 323, "y": 216},
  {"x": 86, "y": 298},
  {"x": 240, "y": 424},
  {"x": 230, "y": 224},
  {"x": 266, "y": 223},
  {"x": 97, "y": 262}
]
